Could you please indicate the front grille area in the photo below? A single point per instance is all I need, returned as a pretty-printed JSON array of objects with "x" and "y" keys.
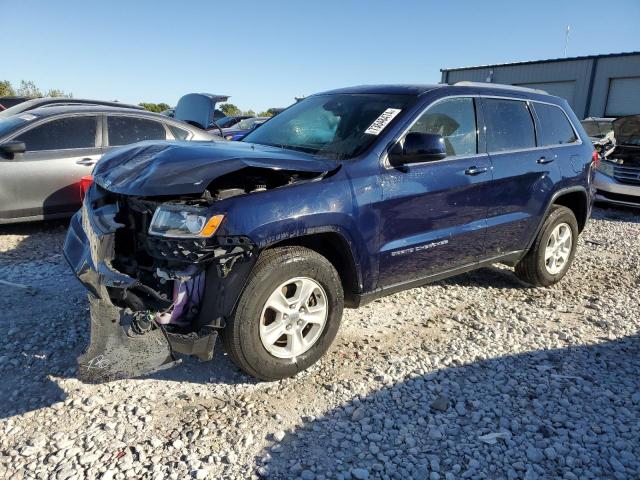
[{"x": 627, "y": 174}]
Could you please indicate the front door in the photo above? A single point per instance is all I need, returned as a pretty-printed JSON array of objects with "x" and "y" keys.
[
  {"x": 45, "y": 179},
  {"x": 434, "y": 213}
]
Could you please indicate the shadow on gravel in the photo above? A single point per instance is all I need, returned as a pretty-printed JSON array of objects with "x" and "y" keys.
[
  {"x": 570, "y": 413},
  {"x": 41, "y": 327},
  {"x": 616, "y": 213},
  {"x": 32, "y": 246},
  {"x": 488, "y": 277}
]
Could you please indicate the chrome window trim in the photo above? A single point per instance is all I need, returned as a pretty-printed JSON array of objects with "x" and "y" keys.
[{"x": 396, "y": 138}]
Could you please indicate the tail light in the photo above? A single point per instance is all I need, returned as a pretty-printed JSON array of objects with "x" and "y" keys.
[
  {"x": 85, "y": 183},
  {"x": 595, "y": 159}
]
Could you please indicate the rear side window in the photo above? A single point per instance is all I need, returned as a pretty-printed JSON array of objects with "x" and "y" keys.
[
  {"x": 61, "y": 134},
  {"x": 509, "y": 125},
  {"x": 126, "y": 130},
  {"x": 555, "y": 128},
  {"x": 455, "y": 120}
]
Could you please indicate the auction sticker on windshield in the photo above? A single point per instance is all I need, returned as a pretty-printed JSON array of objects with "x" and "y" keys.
[{"x": 382, "y": 121}]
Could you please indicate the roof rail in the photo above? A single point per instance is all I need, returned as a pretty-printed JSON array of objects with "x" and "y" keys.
[{"x": 500, "y": 85}]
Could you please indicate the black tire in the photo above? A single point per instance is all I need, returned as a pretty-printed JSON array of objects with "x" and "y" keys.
[
  {"x": 532, "y": 268},
  {"x": 241, "y": 335}
]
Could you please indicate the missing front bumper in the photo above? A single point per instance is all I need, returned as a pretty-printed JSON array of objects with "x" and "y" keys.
[{"x": 116, "y": 352}]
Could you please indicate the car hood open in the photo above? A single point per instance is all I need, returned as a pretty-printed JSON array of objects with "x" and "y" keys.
[
  {"x": 626, "y": 130},
  {"x": 198, "y": 108},
  {"x": 182, "y": 168}
]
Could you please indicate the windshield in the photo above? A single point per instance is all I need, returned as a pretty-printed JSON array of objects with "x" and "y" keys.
[
  {"x": 597, "y": 128},
  {"x": 8, "y": 125},
  {"x": 335, "y": 126}
]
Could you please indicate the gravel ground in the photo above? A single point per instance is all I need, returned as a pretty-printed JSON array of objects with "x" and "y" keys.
[{"x": 475, "y": 377}]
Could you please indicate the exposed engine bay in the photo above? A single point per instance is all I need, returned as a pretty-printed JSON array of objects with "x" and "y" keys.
[{"x": 620, "y": 150}]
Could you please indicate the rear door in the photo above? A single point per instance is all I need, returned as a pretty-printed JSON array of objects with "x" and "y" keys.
[
  {"x": 45, "y": 179},
  {"x": 433, "y": 214},
  {"x": 524, "y": 175}
]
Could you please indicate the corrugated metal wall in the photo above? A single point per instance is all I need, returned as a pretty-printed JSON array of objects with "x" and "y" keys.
[{"x": 570, "y": 79}]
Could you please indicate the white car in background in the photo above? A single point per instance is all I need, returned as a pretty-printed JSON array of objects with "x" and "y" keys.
[
  {"x": 45, "y": 152},
  {"x": 618, "y": 176}
]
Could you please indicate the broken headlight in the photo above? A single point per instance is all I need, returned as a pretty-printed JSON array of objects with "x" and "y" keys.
[{"x": 183, "y": 221}]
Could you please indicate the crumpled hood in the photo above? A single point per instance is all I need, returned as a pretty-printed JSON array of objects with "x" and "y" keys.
[
  {"x": 155, "y": 168},
  {"x": 626, "y": 130}
]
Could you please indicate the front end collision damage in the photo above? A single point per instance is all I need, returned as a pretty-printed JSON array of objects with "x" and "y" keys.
[
  {"x": 149, "y": 297},
  {"x": 153, "y": 296}
]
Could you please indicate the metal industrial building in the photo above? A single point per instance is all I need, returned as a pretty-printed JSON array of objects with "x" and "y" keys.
[{"x": 594, "y": 85}]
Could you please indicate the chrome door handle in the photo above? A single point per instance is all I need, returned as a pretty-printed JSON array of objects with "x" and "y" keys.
[
  {"x": 475, "y": 170},
  {"x": 543, "y": 160},
  {"x": 86, "y": 161}
]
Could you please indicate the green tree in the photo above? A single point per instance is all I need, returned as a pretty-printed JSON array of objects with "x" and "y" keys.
[
  {"x": 268, "y": 113},
  {"x": 154, "y": 107},
  {"x": 28, "y": 89},
  {"x": 6, "y": 89},
  {"x": 250, "y": 112},
  {"x": 229, "y": 109},
  {"x": 56, "y": 92}
]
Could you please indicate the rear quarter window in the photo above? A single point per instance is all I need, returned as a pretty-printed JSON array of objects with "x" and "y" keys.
[
  {"x": 178, "y": 133},
  {"x": 509, "y": 125},
  {"x": 555, "y": 128}
]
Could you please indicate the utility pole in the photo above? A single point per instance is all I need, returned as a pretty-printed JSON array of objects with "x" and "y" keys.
[{"x": 566, "y": 40}]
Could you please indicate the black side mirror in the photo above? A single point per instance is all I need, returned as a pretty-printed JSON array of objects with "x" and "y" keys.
[
  {"x": 12, "y": 147},
  {"x": 418, "y": 147}
]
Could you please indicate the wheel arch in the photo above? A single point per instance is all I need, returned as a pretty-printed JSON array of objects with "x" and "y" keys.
[
  {"x": 338, "y": 250},
  {"x": 576, "y": 200}
]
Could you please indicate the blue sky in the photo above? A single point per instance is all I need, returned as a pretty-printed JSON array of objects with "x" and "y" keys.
[{"x": 263, "y": 53}]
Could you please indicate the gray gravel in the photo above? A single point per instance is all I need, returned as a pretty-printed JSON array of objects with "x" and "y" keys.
[{"x": 474, "y": 377}]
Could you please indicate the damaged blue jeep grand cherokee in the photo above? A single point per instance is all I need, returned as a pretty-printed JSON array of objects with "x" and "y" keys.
[{"x": 344, "y": 197}]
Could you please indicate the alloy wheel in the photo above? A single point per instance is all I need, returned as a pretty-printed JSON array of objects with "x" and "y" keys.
[
  {"x": 293, "y": 317},
  {"x": 558, "y": 249}
]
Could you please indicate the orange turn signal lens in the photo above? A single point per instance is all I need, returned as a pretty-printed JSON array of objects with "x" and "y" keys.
[{"x": 211, "y": 226}]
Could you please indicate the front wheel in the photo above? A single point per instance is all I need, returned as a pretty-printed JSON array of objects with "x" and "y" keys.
[
  {"x": 552, "y": 252},
  {"x": 288, "y": 314}
]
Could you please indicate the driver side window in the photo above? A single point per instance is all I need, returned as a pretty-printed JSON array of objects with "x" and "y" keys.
[{"x": 455, "y": 120}]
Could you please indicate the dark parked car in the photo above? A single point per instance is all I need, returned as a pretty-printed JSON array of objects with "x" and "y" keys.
[
  {"x": 346, "y": 196},
  {"x": 34, "y": 103},
  {"x": 10, "y": 101},
  {"x": 242, "y": 128},
  {"x": 45, "y": 152},
  {"x": 230, "y": 121}
]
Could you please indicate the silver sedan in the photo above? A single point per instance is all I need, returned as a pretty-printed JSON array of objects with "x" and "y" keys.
[{"x": 45, "y": 152}]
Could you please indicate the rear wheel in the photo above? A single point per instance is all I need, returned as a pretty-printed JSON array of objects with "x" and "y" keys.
[
  {"x": 552, "y": 251},
  {"x": 288, "y": 314}
]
